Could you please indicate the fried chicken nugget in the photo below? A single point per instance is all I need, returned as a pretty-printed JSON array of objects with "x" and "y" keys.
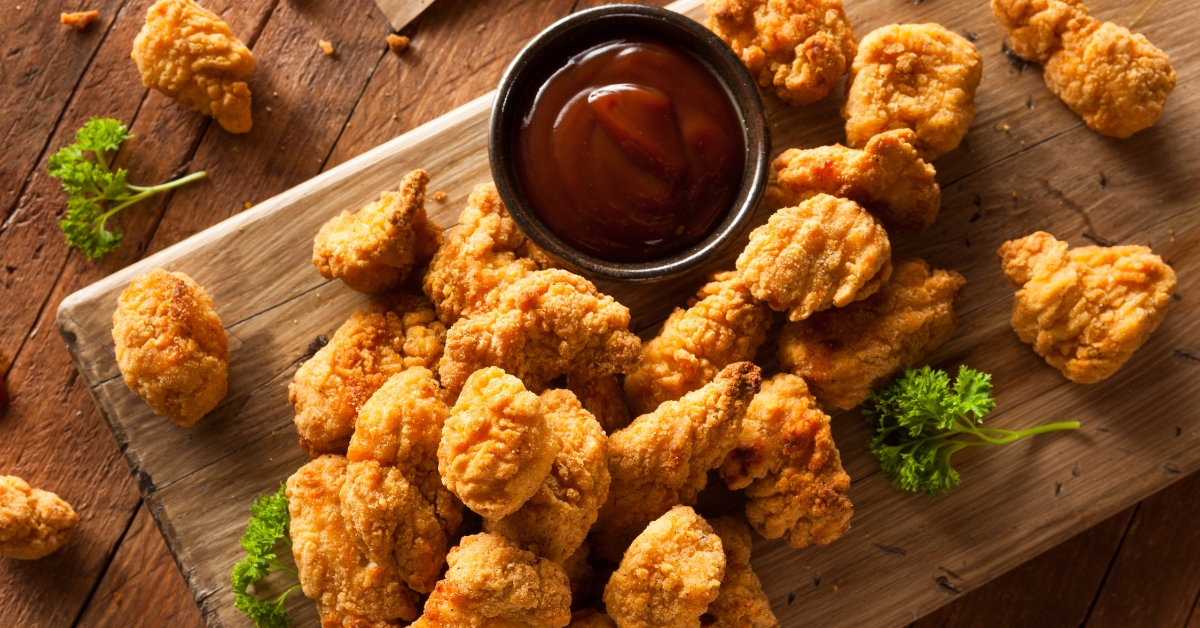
[
  {"x": 798, "y": 47},
  {"x": 740, "y": 602},
  {"x": 915, "y": 76},
  {"x": 663, "y": 458},
  {"x": 170, "y": 346},
  {"x": 669, "y": 575},
  {"x": 375, "y": 249},
  {"x": 349, "y": 588},
  {"x": 393, "y": 496},
  {"x": 1087, "y": 309},
  {"x": 33, "y": 523},
  {"x": 190, "y": 55},
  {"x": 492, "y": 583},
  {"x": 843, "y": 353},
  {"x": 825, "y": 252},
  {"x": 602, "y": 396},
  {"x": 1035, "y": 27},
  {"x": 374, "y": 344},
  {"x": 723, "y": 324},
  {"x": 887, "y": 178},
  {"x": 790, "y": 467},
  {"x": 497, "y": 446},
  {"x": 555, "y": 520},
  {"x": 547, "y": 324}
]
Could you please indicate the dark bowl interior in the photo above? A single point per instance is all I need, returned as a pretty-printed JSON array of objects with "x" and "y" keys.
[{"x": 549, "y": 51}]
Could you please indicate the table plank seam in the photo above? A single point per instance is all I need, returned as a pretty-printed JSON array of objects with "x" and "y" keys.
[
  {"x": 87, "y": 601},
  {"x": 1111, "y": 563},
  {"x": 367, "y": 83}
]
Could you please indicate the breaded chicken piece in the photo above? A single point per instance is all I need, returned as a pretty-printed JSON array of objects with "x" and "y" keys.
[
  {"x": 480, "y": 257},
  {"x": 843, "y": 353},
  {"x": 348, "y": 587},
  {"x": 797, "y": 47},
  {"x": 1035, "y": 27},
  {"x": 549, "y": 323},
  {"x": 663, "y": 458},
  {"x": 790, "y": 467},
  {"x": 669, "y": 575},
  {"x": 492, "y": 583},
  {"x": 375, "y": 249},
  {"x": 740, "y": 602},
  {"x": 591, "y": 618},
  {"x": 497, "y": 446},
  {"x": 1087, "y": 309},
  {"x": 825, "y": 252},
  {"x": 374, "y": 344},
  {"x": 555, "y": 520},
  {"x": 602, "y": 396},
  {"x": 579, "y": 573},
  {"x": 190, "y": 55},
  {"x": 887, "y": 178},
  {"x": 33, "y": 522},
  {"x": 79, "y": 20},
  {"x": 723, "y": 324},
  {"x": 393, "y": 498},
  {"x": 170, "y": 346},
  {"x": 913, "y": 76}
]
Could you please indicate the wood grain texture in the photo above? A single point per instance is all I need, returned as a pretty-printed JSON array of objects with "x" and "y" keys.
[{"x": 400, "y": 12}]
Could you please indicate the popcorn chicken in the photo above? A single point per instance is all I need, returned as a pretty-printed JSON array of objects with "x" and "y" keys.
[
  {"x": 740, "y": 601},
  {"x": 602, "y": 396},
  {"x": 33, "y": 523},
  {"x": 1035, "y": 27}
]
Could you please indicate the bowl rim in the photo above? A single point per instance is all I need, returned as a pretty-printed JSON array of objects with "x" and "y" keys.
[{"x": 752, "y": 113}]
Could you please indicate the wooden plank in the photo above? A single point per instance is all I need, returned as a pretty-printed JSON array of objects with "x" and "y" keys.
[
  {"x": 400, "y": 12},
  {"x": 962, "y": 532}
]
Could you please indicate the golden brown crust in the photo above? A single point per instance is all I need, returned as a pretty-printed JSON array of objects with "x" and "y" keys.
[
  {"x": 825, "y": 252},
  {"x": 497, "y": 446},
  {"x": 663, "y": 458},
  {"x": 723, "y": 324},
  {"x": 1087, "y": 309},
  {"x": 790, "y": 467},
  {"x": 602, "y": 396},
  {"x": 492, "y": 583},
  {"x": 189, "y": 54},
  {"x": 555, "y": 520},
  {"x": 843, "y": 353},
  {"x": 917, "y": 76},
  {"x": 373, "y": 345},
  {"x": 669, "y": 575},
  {"x": 1035, "y": 27},
  {"x": 376, "y": 248},
  {"x": 33, "y": 522},
  {"x": 741, "y": 602},
  {"x": 887, "y": 178},
  {"x": 79, "y": 20},
  {"x": 170, "y": 345},
  {"x": 799, "y": 48}
]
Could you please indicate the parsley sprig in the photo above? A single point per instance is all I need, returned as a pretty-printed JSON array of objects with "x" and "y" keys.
[
  {"x": 268, "y": 526},
  {"x": 97, "y": 192},
  {"x": 920, "y": 420}
]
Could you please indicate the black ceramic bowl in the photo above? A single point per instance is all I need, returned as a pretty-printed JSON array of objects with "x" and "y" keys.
[{"x": 549, "y": 51}]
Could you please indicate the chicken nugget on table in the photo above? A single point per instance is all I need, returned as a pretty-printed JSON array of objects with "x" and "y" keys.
[
  {"x": 33, "y": 523},
  {"x": 741, "y": 602}
]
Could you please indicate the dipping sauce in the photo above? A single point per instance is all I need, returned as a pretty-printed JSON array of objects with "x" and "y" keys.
[{"x": 631, "y": 152}]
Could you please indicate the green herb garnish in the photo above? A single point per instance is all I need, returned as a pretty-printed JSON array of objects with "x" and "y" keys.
[{"x": 268, "y": 526}]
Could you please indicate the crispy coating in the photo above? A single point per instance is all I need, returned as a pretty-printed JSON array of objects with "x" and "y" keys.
[
  {"x": 1035, "y": 27},
  {"x": 579, "y": 573},
  {"x": 591, "y": 618},
  {"x": 843, "y": 353},
  {"x": 603, "y": 397},
  {"x": 741, "y": 602},
  {"x": 723, "y": 324},
  {"x": 1087, "y": 309},
  {"x": 797, "y": 47},
  {"x": 492, "y": 583},
  {"x": 669, "y": 575},
  {"x": 825, "y": 252},
  {"x": 374, "y": 344},
  {"x": 350, "y": 590},
  {"x": 547, "y": 324},
  {"x": 376, "y": 248},
  {"x": 790, "y": 467},
  {"x": 393, "y": 498},
  {"x": 189, "y": 54},
  {"x": 33, "y": 522},
  {"x": 887, "y": 178},
  {"x": 913, "y": 76},
  {"x": 80, "y": 19},
  {"x": 497, "y": 446},
  {"x": 170, "y": 346},
  {"x": 663, "y": 458},
  {"x": 555, "y": 520}
]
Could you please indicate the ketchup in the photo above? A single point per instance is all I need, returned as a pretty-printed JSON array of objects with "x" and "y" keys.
[{"x": 631, "y": 152}]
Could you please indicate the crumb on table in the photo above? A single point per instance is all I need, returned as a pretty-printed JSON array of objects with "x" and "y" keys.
[
  {"x": 397, "y": 43},
  {"x": 79, "y": 20},
  {"x": 325, "y": 46},
  {"x": 440, "y": 195}
]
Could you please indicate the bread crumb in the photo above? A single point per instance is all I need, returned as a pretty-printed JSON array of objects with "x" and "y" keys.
[
  {"x": 326, "y": 46},
  {"x": 249, "y": 204},
  {"x": 397, "y": 43},
  {"x": 80, "y": 20},
  {"x": 439, "y": 196}
]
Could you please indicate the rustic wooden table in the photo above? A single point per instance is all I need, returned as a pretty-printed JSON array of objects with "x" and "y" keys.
[{"x": 1140, "y": 567}]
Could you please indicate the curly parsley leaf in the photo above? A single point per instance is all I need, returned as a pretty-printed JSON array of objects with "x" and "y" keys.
[
  {"x": 921, "y": 419},
  {"x": 268, "y": 526},
  {"x": 96, "y": 191}
]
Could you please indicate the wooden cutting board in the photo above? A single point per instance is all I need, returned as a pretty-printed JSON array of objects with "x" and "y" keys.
[{"x": 1027, "y": 164}]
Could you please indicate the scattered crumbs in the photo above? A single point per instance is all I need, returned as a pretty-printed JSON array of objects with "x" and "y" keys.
[
  {"x": 479, "y": 29},
  {"x": 1103, "y": 180},
  {"x": 1172, "y": 468},
  {"x": 1057, "y": 488},
  {"x": 835, "y": 587},
  {"x": 282, "y": 148},
  {"x": 1022, "y": 142},
  {"x": 867, "y": 535},
  {"x": 1076, "y": 471},
  {"x": 295, "y": 322},
  {"x": 397, "y": 43},
  {"x": 1171, "y": 231},
  {"x": 248, "y": 204},
  {"x": 971, "y": 36},
  {"x": 1029, "y": 104},
  {"x": 1014, "y": 195},
  {"x": 791, "y": 597},
  {"x": 275, "y": 94},
  {"x": 318, "y": 295},
  {"x": 1015, "y": 62},
  {"x": 439, "y": 196},
  {"x": 1003, "y": 126},
  {"x": 116, "y": 594},
  {"x": 268, "y": 109},
  {"x": 239, "y": 228},
  {"x": 325, "y": 46},
  {"x": 77, "y": 21},
  {"x": 393, "y": 116}
]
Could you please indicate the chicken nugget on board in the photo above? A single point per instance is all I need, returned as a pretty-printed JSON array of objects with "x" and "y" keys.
[
  {"x": 33, "y": 523},
  {"x": 741, "y": 602}
]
